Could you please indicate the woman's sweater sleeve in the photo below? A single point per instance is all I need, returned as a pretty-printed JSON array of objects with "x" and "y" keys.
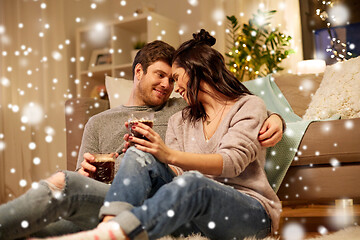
[
  {"x": 240, "y": 146},
  {"x": 172, "y": 140}
]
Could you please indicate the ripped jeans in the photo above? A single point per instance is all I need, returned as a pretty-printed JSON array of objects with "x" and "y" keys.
[
  {"x": 149, "y": 203},
  {"x": 44, "y": 212}
]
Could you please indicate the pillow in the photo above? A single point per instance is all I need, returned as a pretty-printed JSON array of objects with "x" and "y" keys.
[
  {"x": 338, "y": 93},
  {"x": 119, "y": 90}
]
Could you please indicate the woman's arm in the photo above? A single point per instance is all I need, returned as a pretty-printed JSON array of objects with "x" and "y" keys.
[
  {"x": 272, "y": 130},
  {"x": 210, "y": 164},
  {"x": 239, "y": 147}
]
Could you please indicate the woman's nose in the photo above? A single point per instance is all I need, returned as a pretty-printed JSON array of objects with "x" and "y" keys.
[{"x": 176, "y": 87}]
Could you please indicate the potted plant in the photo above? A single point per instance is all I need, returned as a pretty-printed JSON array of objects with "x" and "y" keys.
[
  {"x": 136, "y": 47},
  {"x": 256, "y": 49}
]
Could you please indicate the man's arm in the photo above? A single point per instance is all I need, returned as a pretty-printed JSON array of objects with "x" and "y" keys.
[
  {"x": 89, "y": 144},
  {"x": 272, "y": 130}
]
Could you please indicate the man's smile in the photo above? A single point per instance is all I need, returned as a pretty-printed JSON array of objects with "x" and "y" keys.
[{"x": 163, "y": 93}]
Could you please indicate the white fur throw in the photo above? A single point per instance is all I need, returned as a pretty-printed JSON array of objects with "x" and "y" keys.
[
  {"x": 338, "y": 93},
  {"x": 352, "y": 233}
]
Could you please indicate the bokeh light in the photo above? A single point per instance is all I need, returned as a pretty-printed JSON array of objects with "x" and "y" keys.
[
  {"x": 338, "y": 14},
  {"x": 32, "y": 113},
  {"x": 293, "y": 231}
]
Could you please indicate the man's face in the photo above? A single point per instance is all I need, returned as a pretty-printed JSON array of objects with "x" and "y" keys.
[{"x": 156, "y": 85}]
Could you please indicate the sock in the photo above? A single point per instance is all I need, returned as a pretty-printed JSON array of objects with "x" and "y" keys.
[{"x": 104, "y": 231}]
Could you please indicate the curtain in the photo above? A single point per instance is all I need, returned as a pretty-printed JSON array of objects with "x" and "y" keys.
[{"x": 34, "y": 86}]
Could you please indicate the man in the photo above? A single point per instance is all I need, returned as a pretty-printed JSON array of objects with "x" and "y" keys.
[{"x": 75, "y": 200}]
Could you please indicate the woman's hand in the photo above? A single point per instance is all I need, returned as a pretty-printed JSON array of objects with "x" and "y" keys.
[
  {"x": 126, "y": 139},
  {"x": 154, "y": 145},
  {"x": 271, "y": 131}
]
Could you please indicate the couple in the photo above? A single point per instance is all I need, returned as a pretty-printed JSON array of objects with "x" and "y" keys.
[{"x": 154, "y": 192}]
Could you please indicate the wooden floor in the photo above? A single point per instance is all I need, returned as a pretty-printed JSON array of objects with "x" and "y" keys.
[{"x": 313, "y": 218}]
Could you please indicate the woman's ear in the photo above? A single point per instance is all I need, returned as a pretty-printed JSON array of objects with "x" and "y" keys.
[{"x": 138, "y": 71}]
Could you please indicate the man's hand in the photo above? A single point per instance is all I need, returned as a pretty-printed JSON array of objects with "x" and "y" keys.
[
  {"x": 86, "y": 165},
  {"x": 271, "y": 131}
]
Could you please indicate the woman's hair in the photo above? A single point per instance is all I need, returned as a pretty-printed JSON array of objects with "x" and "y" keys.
[
  {"x": 151, "y": 53},
  {"x": 202, "y": 62}
]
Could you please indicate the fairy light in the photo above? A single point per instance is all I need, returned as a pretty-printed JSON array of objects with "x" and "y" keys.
[{"x": 337, "y": 48}]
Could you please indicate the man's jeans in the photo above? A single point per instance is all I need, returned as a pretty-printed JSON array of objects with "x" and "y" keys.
[
  {"x": 39, "y": 209},
  {"x": 149, "y": 202}
]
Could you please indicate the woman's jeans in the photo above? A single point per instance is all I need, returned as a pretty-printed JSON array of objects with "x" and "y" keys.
[
  {"x": 149, "y": 202},
  {"x": 40, "y": 209}
]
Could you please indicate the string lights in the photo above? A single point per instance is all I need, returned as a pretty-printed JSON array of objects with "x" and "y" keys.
[{"x": 337, "y": 47}]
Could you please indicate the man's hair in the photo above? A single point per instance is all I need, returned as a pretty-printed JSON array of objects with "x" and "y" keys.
[{"x": 153, "y": 52}]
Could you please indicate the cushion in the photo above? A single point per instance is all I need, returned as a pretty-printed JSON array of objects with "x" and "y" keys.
[
  {"x": 119, "y": 90},
  {"x": 338, "y": 93}
]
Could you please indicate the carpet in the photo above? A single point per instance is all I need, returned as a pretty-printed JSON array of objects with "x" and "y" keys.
[{"x": 350, "y": 233}]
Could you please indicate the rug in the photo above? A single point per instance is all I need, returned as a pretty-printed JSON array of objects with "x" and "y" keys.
[{"x": 350, "y": 233}]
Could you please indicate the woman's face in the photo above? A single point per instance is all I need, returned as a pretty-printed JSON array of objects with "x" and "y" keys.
[{"x": 181, "y": 80}]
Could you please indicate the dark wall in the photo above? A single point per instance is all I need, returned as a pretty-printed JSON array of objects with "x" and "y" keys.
[{"x": 310, "y": 21}]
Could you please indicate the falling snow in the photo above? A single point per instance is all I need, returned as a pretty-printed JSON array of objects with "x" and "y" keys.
[
  {"x": 32, "y": 115},
  {"x": 293, "y": 231},
  {"x": 126, "y": 181},
  {"x": 24, "y": 224},
  {"x": 211, "y": 225},
  {"x": 23, "y": 183},
  {"x": 144, "y": 207},
  {"x": 180, "y": 181},
  {"x": 35, "y": 185},
  {"x": 322, "y": 230},
  {"x": 36, "y": 161},
  {"x": 170, "y": 213}
]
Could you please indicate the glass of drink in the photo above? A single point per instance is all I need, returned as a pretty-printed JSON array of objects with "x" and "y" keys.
[
  {"x": 140, "y": 117},
  {"x": 105, "y": 164}
]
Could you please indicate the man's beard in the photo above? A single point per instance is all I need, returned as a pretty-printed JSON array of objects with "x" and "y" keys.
[{"x": 147, "y": 97}]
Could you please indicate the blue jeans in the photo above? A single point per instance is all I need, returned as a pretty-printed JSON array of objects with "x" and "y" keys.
[
  {"x": 149, "y": 202},
  {"x": 42, "y": 212}
]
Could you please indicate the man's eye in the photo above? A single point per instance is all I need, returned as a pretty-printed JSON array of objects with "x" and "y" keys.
[{"x": 161, "y": 75}]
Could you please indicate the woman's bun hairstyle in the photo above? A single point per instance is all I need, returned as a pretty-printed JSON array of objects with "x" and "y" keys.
[
  {"x": 204, "y": 37},
  {"x": 202, "y": 63}
]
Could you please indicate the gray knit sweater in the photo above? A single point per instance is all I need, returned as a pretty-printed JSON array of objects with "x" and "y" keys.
[
  {"x": 104, "y": 132},
  {"x": 236, "y": 140}
]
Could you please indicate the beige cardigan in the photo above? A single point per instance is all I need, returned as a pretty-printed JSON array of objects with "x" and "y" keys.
[{"x": 236, "y": 140}]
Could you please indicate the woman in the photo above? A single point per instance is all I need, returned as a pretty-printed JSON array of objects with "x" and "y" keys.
[{"x": 228, "y": 195}]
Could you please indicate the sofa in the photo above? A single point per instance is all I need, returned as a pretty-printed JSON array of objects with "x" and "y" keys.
[{"x": 325, "y": 168}]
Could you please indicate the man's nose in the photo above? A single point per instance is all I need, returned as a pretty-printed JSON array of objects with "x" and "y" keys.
[{"x": 165, "y": 83}]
